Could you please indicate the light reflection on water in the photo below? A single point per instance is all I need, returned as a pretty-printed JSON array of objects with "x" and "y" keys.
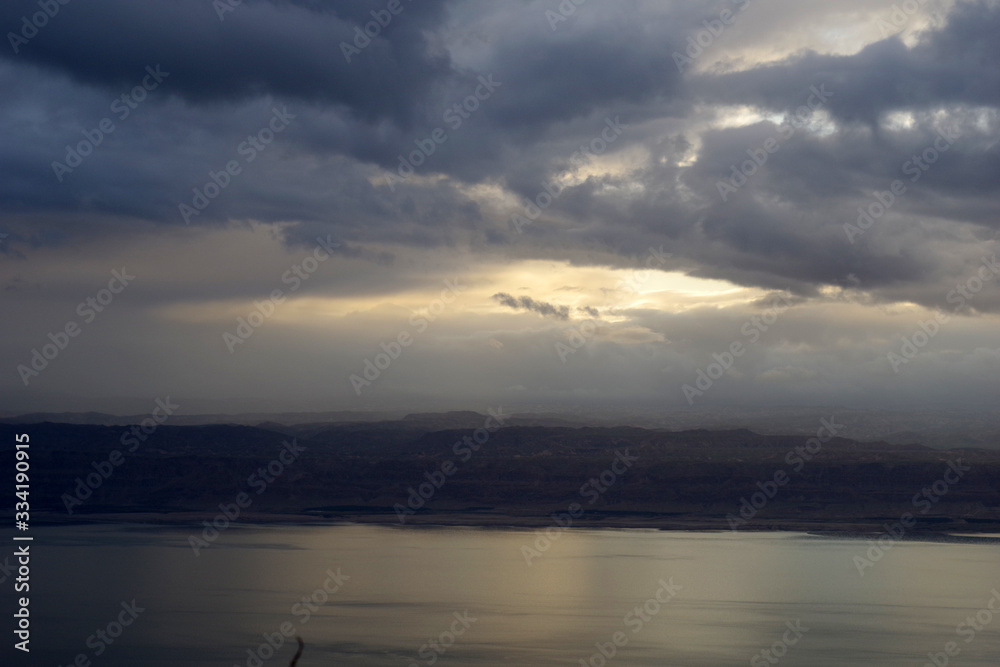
[{"x": 405, "y": 585}]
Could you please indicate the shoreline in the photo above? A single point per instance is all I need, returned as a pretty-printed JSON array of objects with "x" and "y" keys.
[{"x": 938, "y": 527}]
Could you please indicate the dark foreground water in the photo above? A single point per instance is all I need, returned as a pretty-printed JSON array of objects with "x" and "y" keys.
[{"x": 468, "y": 597}]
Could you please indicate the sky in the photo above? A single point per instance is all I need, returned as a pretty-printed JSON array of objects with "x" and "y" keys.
[{"x": 305, "y": 205}]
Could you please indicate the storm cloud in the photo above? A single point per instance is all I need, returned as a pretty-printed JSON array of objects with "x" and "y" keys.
[{"x": 465, "y": 153}]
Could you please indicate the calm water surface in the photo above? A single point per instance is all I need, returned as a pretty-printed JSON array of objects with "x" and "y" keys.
[{"x": 735, "y": 595}]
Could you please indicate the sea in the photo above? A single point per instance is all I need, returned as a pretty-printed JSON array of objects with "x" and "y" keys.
[{"x": 135, "y": 595}]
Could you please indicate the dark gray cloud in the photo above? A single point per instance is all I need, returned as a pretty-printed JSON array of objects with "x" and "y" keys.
[
  {"x": 518, "y": 146},
  {"x": 288, "y": 50},
  {"x": 951, "y": 65},
  {"x": 353, "y": 120},
  {"x": 527, "y": 303}
]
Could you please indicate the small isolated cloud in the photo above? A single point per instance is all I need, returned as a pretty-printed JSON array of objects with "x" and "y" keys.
[{"x": 527, "y": 303}]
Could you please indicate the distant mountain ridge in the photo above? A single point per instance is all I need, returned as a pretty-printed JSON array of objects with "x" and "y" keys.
[
  {"x": 367, "y": 470},
  {"x": 943, "y": 428}
]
